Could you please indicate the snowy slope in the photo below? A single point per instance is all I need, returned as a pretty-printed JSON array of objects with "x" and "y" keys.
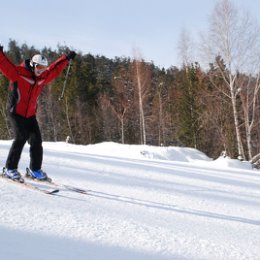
[{"x": 145, "y": 203}]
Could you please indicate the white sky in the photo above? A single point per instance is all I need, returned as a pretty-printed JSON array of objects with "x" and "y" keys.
[{"x": 109, "y": 27}]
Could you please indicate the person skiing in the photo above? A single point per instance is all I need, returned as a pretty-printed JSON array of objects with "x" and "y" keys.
[{"x": 26, "y": 83}]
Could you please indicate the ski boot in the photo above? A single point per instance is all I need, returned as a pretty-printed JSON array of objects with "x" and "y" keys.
[
  {"x": 12, "y": 174},
  {"x": 38, "y": 175}
]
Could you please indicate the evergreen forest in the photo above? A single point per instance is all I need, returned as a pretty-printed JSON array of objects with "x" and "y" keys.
[{"x": 131, "y": 101}]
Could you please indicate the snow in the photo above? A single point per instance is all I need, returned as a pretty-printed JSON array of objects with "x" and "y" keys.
[{"x": 144, "y": 202}]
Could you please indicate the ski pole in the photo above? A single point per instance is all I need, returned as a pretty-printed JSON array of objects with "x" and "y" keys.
[{"x": 65, "y": 81}]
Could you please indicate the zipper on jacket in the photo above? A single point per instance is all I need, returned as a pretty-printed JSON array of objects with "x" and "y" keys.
[{"x": 30, "y": 96}]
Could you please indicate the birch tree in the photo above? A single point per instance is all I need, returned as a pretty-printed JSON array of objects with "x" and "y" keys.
[
  {"x": 234, "y": 37},
  {"x": 142, "y": 82}
]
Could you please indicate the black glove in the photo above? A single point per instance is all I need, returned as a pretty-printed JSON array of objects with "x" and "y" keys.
[
  {"x": 71, "y": 55},
  {"x": 1, "y": 47}
]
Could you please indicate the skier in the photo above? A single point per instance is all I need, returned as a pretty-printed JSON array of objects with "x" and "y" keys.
[{"x": 26, "y": 83}]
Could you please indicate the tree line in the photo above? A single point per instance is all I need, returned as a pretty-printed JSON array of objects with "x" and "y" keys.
[{"x": 128, "y": 100}]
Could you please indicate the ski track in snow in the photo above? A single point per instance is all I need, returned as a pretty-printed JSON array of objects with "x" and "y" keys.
[{"x": 137, "y": 207}]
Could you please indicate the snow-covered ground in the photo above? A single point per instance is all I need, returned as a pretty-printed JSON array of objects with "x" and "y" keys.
[{"x": 145, "y": 203}]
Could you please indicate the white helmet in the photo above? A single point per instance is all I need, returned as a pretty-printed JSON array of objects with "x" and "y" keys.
[{"x": 38, "y": 59}]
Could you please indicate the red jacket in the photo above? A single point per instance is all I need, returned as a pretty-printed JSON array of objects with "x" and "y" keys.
[{"x": 25, "y": 87}]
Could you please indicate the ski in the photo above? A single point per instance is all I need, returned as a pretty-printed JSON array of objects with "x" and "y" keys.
[
  {"x": 75, "y": 189},
  {"x": 46, "y": 191},
  {"x": 59, "y": 185},
  {"x": 69, "y": 187},
  {"x": 28, "y": 185}
]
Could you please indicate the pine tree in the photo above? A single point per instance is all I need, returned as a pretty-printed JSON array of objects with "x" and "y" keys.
[{"x": 189, "y": 106}]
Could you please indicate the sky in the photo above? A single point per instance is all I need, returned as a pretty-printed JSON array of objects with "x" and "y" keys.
[{"x": 113, "y": 28}]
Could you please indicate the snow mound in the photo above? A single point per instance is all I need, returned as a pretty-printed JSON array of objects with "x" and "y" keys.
[
  {"x": 226, "y": 162},
  {"x": 144, "y": 152},
  {"x": 147, "y": 151}
]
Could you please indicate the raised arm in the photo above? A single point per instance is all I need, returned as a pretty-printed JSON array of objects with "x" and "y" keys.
[
  {"x": 55, "y": 69},
  {"x": 7, "y": 67}
]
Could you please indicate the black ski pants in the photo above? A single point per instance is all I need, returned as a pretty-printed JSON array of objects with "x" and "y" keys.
[{"x": 25, "y": 129}]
